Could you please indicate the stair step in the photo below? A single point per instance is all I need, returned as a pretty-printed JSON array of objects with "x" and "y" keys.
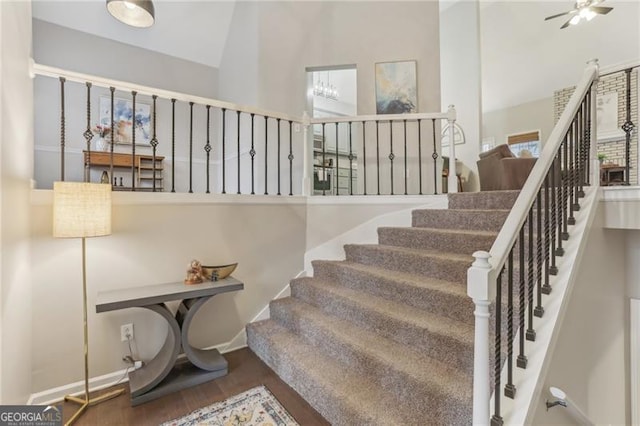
[
  {"x": 438, "y": 296},
  {"x": 444, "y": 240},
  {"x": 483, "y": 200},
  {"x": 439, "y": 337},
  {"x": 429, "y": 263},
  {"x": 445, "y": 389},
  {"x": 485, "y": 220},
  {"x": 341, "y": 396}
]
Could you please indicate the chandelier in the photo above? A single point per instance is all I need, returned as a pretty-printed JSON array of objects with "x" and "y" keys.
[{"x": 325, "y": 90}]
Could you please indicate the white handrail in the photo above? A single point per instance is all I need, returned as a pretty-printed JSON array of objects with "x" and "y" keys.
[
  {"x": 383, "y": 118},
  {"x": 53, "y": 72}
]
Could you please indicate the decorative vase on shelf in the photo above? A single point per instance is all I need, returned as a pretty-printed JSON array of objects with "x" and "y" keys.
[
  {"x": 101, "y": 144},
  {"x": 105, "y": 177}
]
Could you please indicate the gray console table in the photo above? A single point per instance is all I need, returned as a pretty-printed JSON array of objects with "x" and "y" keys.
[{"x": 163, "y": 375}]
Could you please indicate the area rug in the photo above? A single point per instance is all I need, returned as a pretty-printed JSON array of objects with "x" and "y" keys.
[{"x": 255, "y": 407}]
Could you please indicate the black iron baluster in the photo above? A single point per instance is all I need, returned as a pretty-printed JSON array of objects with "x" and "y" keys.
[
  {"x": 546, "y": 287},
  {"x": 420, "y": 157},
  {"x": 190, "y": 147},
  {"x": 531, "y": 333},
  {"x": 555, "y": 172},
  {"x": 627, "y": 127},
  {"x": 539, "y": 310},
  {"x": 378, "y": 153},
  {"x": 587, "y": 135},
  {"x": 522, "y": 358},
  {"x": 207, "y": 147},
  {"x": 581, "y": 152},
  {"x": 266, "y": 154},
  {"x": 62, "y": 128},
  {"x": 323, "y": 176},
  {"x": 496, "y": 419},
  {"x": 565, "y": 189},
  {"x": 509, "y": 388},
  {"x": 391, "y": 155},
  {"x": 113, "y": 134},
  {"x": 224, "y": 151},
  {"x": 290, "y": 157},
  {"x": 576, "y": 161},
  {"x": 337, "y": 182},
  {"x": 252, "y": 153},
  {"x": 173, "y": 145},
  {"x": 435, "y": 158},
  {"x": 350, "y": 160},
  {"x": 133, "y": 141},
  {"x": 364, "y": 157},
  {"x": 238, "y": 143},
  {"x": 571, "y": 172},
  {"x": 278, "y": 160},
  {"x": 88, "y": 135},
  {"x": 154, "y": 144},
  {"x": 405, "y": 156}
]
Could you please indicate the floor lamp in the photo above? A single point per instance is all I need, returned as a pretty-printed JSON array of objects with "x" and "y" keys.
[{"x": 82, "y": 210}]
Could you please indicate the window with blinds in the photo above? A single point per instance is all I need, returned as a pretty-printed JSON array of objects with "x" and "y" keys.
[{"x": 525, "y": 144}]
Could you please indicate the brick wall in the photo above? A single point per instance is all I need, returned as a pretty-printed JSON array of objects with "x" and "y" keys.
[{"x": 614, "y": 150}]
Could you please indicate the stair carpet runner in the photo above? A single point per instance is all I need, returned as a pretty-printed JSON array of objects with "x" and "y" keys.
[{"x": 385, "y": 337}]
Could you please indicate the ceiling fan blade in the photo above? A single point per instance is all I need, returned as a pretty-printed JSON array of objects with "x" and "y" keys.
[
  {"x": 560, "y": 14},
  {"x": 566, "y": 24},
  {"x": 600, "y": 10}
]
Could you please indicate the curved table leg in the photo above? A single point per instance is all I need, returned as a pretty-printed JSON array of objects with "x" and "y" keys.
[
  {"x": 148, "y": 377},
  {"x": 205, "y": 359}
]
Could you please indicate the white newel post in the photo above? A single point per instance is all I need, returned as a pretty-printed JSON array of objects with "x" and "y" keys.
[
  {"x": 307, "y": 167},
  {"x": 593, "y": 155},
  {"x": 483, "y": 293},
  {"x": 453, "y": 176}
]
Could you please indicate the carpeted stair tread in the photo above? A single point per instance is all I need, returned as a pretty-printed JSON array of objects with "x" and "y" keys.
[
  {"x": 445, "y": 240},
  {"x": 487, "y": 220},
  {"x": 446, "y": 389},
  {"x": 483, "y": 200},
  {"x": 430, "y": 263},
  {"x": 443, "y": 297},
  {"x": 412, "y": 326},
  {"x": 341, "y": 396}
]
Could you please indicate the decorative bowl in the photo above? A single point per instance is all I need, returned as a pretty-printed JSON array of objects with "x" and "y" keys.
[{"x": 215, "y": 273}]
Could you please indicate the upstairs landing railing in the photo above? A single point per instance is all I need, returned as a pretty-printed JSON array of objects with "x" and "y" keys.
[
  {"x": 516, "y": 274},
  {"x": 194, "y": 144}
]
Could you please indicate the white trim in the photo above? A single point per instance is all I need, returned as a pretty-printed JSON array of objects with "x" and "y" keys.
[
  {"x": 373, "y": 199},
  {"x": 620, "y": 193},
  {"x": 611, "y": 136},
  {"x": 620, "y": 66},
  {"x": 381, "y": 118},
  {"x": 634, "y": 356}
]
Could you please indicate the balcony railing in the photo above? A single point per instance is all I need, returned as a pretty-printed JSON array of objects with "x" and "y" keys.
[{"x": 163, "y": 141}]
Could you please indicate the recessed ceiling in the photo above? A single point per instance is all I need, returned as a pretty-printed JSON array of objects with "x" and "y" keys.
[{"x": 192, "y": 30}]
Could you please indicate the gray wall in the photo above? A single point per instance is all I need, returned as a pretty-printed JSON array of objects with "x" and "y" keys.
[
  {"x": 82, "y": 52},
  {"x": 291, "y": 36},
  {"x": 535, "y": 115}
]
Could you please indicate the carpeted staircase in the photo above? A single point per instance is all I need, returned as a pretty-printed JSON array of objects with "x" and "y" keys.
[{"x": 385, "y": 337}]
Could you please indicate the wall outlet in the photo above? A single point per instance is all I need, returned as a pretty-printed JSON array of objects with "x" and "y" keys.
[{"x": 126, "y": 332}]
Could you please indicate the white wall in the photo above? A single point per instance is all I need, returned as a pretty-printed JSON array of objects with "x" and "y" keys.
[
  {"x": 16, "y": 168},
  {"x": 590, "y": 362},
  {"x": 461, "y": 79},
  {"x": 294, "y": 35}
]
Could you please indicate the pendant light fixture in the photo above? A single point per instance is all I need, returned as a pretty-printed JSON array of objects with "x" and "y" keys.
[{"x": 137, "y": 13}]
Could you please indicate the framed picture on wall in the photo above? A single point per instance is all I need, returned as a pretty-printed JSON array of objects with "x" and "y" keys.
[
  {"x": 123, "y": 117},
  {"x": 396, "y": 87}
]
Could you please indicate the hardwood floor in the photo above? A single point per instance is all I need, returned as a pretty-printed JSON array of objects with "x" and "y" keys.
[{"x": 246, "y": 370}]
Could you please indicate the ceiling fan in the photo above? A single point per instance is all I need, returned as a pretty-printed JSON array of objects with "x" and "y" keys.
[{"x": 584, "y": 9}]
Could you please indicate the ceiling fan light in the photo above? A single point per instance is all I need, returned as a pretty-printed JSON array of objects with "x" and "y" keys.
[
  {"x": 575, "y": 20},
  {"x": 590, "y": 15},
  {"x": 137, "y": 13}
]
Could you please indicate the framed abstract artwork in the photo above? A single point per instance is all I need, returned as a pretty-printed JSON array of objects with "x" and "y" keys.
[
  {"x": 396, "y": 87},
  {"x": 123, "y": 117}
]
